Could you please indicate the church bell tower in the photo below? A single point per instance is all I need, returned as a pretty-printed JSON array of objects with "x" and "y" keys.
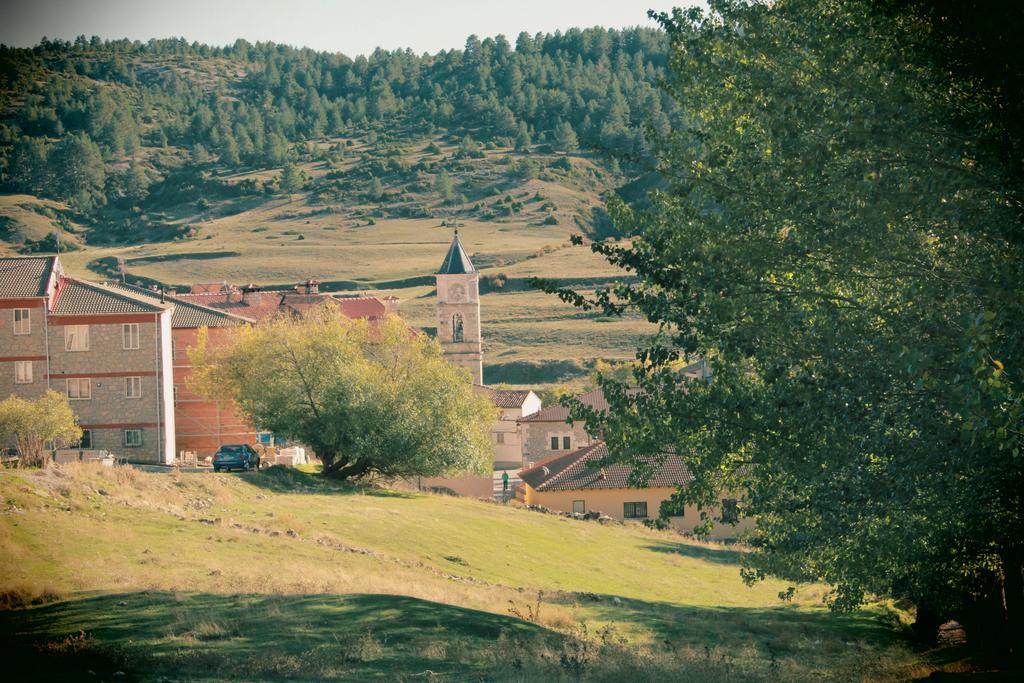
[{"x": 458, "y": 311}]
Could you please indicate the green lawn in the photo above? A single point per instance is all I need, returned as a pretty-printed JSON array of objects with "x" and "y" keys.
[{"x": 280, "y": 575}]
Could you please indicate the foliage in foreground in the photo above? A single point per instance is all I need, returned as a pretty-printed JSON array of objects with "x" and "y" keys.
[
  {"x": 31, "y": 424},
  {"x": 367, "y": 398},
  {"x": 841, "y": 243}
]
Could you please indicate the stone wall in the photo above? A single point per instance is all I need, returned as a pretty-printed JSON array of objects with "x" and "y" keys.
[{"x": 537, "y": 439}]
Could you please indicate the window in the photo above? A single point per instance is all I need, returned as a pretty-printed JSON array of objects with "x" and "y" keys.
[
  {"x": 174, "y": 350},
  {"x": 554, "y": 443},
  {"x": 132, "y": 438},
  {"x": 457, "y": 329},
  {"x": 730, "y": 513},
  {"x": 175, "y": 395},
  {"x": 634, "y": 510},
  {"x": 22, "y": 372},
  {"x": 22, "y": 321},
  {"x": 566, "y": 442},
  {"x": 579, "y": 507},
  {"x": 130, "y": 335},
  {"x": 86, "y": 441},
  {"x": 76, "y": 337},
  {"x": 500, "y": 437},
  {"x": 79, "y": 388},
  {"x": 133, "y": 387}
]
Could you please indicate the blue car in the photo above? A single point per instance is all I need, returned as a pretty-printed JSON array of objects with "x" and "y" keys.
[{"x": 236, "y": 457}]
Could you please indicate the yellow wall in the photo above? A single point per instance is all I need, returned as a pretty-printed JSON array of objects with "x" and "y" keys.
[{"x": 610, "y": 502}]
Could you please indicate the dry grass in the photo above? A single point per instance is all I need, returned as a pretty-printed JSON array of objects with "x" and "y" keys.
[{"x": 202, "y": 569}]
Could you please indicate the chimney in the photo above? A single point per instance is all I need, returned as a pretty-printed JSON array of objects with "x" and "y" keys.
[
  {"x": 251, "y": 295},
  {"x": 391, "y": 304},
  {"x": 603, "y": 475},
  {"x": 312, "y": 286}
]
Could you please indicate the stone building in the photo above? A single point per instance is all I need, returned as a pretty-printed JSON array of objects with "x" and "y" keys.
[
  {"x": 458, "y": 311},
  {"x": 120, "y": 353},
  {"x": 506, "y": 435},
  {"x": 548, "y": 432},
  {"x": 107, "y": 349},
  {"x": 202, "y": 424}
]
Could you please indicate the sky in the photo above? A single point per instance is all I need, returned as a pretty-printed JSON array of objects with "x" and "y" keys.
[{"x": 350, "y": 27}]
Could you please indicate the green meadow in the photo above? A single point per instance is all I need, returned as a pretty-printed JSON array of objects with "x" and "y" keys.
[{"x": 280, "y": 575}]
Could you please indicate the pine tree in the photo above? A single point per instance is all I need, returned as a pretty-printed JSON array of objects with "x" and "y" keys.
[
  {"x": 523, "y": 138},
  {"x": 565, "y": 137},
  {"x": 292, "y": 179}
]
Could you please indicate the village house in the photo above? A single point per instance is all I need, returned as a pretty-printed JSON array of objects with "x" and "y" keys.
[
  {"x": 107, "y": 349},
  {"x": 202, "y": 424},
  {"x": 549, "y": 432},
  {"x": 512, "y": 405},
  {"x": 121, "y": 353},
  {"x": 579, "y": 482},
  {"x": 258, "y": 304}
]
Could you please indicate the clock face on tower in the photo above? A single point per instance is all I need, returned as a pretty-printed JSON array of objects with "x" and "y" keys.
[{"x": 456, "y": 293}]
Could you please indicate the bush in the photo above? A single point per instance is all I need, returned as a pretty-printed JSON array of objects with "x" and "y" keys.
[{"x": 562, "y": 163}]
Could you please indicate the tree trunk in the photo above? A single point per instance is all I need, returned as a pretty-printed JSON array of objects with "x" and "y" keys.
[
  {"x": 926, "y": 625},
  {"x": 992, "y": 613},
  {"x": 351, "y": 470},
  {"x": 1013, "y": 599}
]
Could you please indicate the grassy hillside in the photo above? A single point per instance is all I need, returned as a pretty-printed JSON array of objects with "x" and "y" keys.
[
  {"x": 281, "y": 575},
  {"x": 352, "y": 245}
]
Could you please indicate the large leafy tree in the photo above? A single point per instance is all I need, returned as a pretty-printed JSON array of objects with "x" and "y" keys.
[
  {"x": 839, "y": 243},
  {"x": 32, "y": 424},
  {"x": 367, "y": 399}
]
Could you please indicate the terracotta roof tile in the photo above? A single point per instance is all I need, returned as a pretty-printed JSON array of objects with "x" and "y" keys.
[
  {"x": 581, "y": 470},
  {"x": 361, "y": 307},
  {"x": 559, "y": 413},
  {"x": 25, "y": 276},
  {"x": 189, "y": 315},
  {"x": 504, "y": 398},
  {"x": 265, "y": 304},
  {"x": 257, "y": 306},
  {"x": 78, "y": 297}
]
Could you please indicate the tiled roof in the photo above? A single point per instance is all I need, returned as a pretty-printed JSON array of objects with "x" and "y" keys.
[
  {"x": 208, "y": 287},
  {"x": 25, "y": 276},
  {"x": 77, "y": 297},
  {"x": 581, "y": 471},
  {"x": 188, "y": 315},
  {"x": 265, "y": 304},
  {"x": 456, "y": 262},
  {"x": 256, "y": 306},
  {"x": 504, "y": 398},
  {"x": 559, "y": 413},
  {"x": 361, "y": 306}
]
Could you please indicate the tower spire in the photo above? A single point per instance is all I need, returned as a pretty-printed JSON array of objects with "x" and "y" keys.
[{"x": 457, "y": 261}]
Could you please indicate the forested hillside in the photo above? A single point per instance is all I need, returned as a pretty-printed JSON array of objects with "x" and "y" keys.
[{"x": 122, "y": 130}]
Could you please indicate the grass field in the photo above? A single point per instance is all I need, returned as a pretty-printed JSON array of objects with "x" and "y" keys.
[{"x": 280, "y": 575}]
